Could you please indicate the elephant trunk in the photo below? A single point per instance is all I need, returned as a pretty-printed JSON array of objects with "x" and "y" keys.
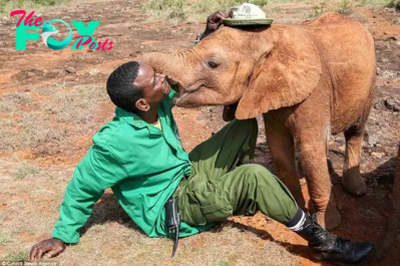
[{"x": 171, "y": 65}]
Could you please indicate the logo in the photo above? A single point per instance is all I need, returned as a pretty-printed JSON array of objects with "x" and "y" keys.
[
  {"x": 49, "y": 30},
  {"x": 85, "y": 33}
]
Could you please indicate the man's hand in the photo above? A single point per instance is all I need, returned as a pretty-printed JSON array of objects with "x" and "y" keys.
[
  {"x": 53, "y": 246},
  {"x": 214, "y": 21}
]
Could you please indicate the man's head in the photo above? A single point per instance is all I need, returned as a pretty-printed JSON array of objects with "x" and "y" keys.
[{"x": 135, "y": 87}]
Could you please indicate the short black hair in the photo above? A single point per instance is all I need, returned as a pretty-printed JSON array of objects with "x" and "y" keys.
[{"x": 123, "y": 93}]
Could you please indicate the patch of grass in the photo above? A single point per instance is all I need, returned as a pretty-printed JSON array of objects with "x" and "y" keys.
[
  {"x": 198, "y": 10},
  {"x": 3, "y": 239},
  {"x": 395, "y": 4},
  {"x": 17, "y": 257},
  {"x": 319, "y": 9},
  {"x": 345, "y": 7},
  {"x": 38, "y": 129},
  {"x": 52, "y": 121},
  {"x": 224, "y": 264},
  {"x": 77, "y": 105},
  {"x": 181, "y": 9},
  {"x": 10, "y": 102},
  {"x": 381, "y": 3},
  {"x": 26, "y": 170},
  {"x": 6, "y": 6},
  {"x": 166, "y": 8}
]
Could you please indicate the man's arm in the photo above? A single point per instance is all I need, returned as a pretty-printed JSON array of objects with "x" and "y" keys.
[
  {"x": 98, "y": 170},
  {"x": 214, "y": 21}
]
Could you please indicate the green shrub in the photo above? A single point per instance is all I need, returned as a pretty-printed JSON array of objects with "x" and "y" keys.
[
  {"x": 260, "y": 3},
  {"x": 395, "y": 4},
  {"x": 179, "y": 9},
  {"x": 318, "y": 10},
  {"x": 345, "y": 7},
  {"x": 8, "y": 5}
]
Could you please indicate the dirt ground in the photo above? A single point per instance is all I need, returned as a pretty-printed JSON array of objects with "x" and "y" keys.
[{"x": 52, "y": 102}]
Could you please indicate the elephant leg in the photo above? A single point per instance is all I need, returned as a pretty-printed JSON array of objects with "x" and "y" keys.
[
  {"x": 281, "y": 146},
  {"x": 352, "y": 181},
  {"x": 312, "y": 146}
]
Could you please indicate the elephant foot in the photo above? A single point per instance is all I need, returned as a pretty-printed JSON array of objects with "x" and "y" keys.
[
  {"x": 329, "y": 219},
  {"x": 353, "y": 183}
]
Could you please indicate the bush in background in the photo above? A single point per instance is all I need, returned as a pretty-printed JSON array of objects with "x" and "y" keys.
[
  {"x": 181, "y": 9},
  {"x": 6, "y": 6}
]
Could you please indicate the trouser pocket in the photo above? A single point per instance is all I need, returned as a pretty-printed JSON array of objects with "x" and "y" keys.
[{"x": 214, "y": 205}]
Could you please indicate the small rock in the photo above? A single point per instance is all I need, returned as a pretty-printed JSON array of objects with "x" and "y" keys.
[
  {"x": 379, "y": 155},
  {"x": 391, "y": 38},
  {"x": 371, "y": 214},
  {"x": 70, "y": 70},
  {"x": 393, "y": 104},
  {"x": 30, "y": 74}
]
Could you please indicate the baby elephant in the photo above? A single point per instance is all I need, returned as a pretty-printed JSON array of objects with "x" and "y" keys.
[{"x": 308, "y": 81}]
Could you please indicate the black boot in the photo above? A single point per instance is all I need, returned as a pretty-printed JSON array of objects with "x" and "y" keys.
[{"x": 328, "y": 247}]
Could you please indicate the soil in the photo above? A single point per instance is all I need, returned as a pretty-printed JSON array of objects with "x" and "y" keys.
[{"x": 132, "y": 34}]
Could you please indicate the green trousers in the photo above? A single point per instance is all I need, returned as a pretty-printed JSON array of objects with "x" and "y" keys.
[{"x": 223, "y": 183}]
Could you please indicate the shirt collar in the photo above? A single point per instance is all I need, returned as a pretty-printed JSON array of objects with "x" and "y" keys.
[{"x": 137, "y": 122}]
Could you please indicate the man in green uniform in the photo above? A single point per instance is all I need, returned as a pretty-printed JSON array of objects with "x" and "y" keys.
[{"x": 140, "y": 156}]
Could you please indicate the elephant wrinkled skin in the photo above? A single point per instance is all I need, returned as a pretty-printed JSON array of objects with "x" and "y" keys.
[{"x": 307, "y": 80}]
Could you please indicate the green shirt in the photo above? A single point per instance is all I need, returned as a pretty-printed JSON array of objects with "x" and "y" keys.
[{"x": 142, "y": 164}]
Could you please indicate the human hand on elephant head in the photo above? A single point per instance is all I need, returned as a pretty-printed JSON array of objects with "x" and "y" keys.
[{"x": 214, "y": 21}]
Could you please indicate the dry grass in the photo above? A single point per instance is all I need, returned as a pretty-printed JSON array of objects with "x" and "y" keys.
[
  {"x": 29, "y": 124},
  {"x": 25, "y": 169},
  {"x": 198, "y": 10},
  {"x": 6, "y": 6},
  {"x": 111, "y": 238}
]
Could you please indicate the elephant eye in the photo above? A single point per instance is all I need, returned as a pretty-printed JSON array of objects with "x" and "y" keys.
[{"x": 212, "y": 64}]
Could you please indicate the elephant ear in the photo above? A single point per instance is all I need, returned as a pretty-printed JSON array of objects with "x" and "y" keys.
[{"x": 284, "y": 76}]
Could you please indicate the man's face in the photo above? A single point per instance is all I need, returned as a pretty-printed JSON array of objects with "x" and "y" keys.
[{"x": 154, "y": 85}]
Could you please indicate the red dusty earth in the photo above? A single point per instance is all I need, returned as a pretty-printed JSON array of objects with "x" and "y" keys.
[{"x": 363, "y": 218}]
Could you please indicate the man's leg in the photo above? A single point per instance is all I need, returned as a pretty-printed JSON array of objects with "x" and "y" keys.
[
  {"x": 232, "y": 145},
  {"x": 243, "y": 191},
  {"x": 250, "y": 188}
]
